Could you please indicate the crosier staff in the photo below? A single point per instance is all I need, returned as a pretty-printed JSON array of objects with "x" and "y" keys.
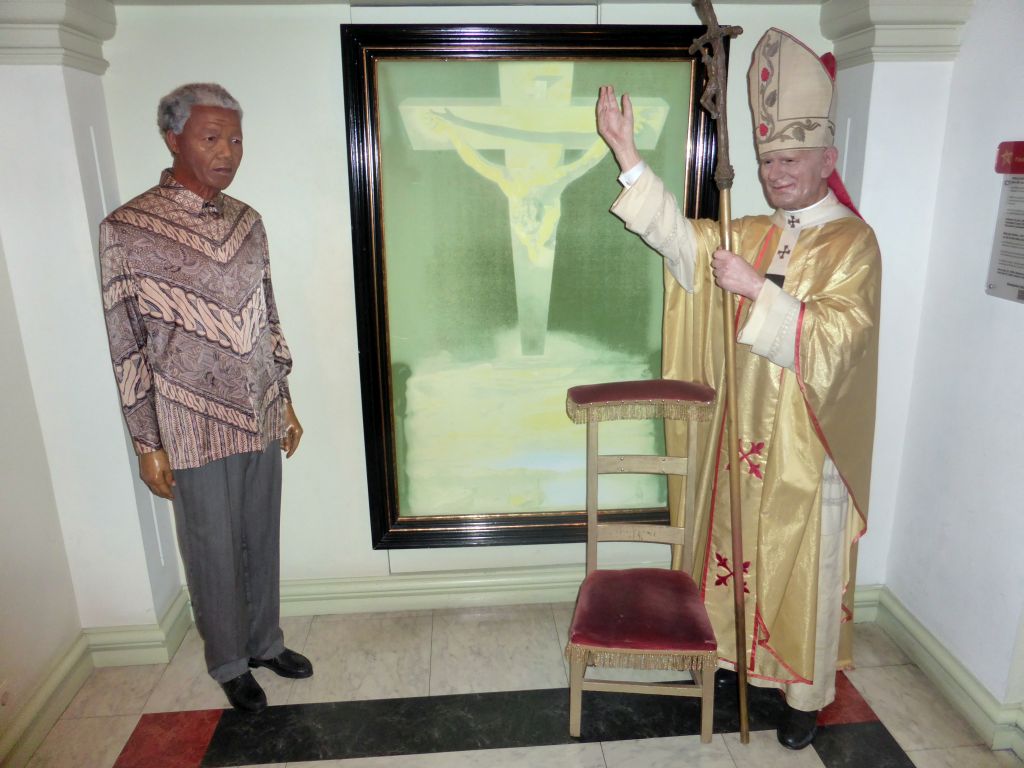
[{"x": 712, "y": 51}]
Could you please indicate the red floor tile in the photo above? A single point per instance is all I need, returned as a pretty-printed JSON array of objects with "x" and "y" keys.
[
  {"x": 849, "y": 706},
  {"x": 170, "y": 740}
]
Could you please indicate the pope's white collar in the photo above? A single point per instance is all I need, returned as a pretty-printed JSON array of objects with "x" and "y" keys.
[
  {"x": 811, "y": 207},
  {"x": 825, "y": 210}
]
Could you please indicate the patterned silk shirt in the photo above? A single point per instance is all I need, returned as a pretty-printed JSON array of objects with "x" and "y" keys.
[{"x": 195, "y": 340}]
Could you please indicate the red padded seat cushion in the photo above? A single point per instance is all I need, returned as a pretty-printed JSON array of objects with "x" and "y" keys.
[
  {"x": 665, "y": 390},
  {"x": 641, "y": 609}
]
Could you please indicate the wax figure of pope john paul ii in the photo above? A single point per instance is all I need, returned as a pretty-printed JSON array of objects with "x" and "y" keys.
[{"x": 808, "y": 279}]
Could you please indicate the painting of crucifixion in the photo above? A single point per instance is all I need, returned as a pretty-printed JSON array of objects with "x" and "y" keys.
[
  {"x": 490, "y": 275},
  {"x": 508, "y": 281}
]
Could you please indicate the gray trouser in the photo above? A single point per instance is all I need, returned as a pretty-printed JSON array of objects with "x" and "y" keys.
[{"x": 228, "y": 515}]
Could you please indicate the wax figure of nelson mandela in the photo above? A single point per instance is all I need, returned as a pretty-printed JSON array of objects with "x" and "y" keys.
[
  {"x": 807, "y": 279},
  {"x": 202, "y": 368}
]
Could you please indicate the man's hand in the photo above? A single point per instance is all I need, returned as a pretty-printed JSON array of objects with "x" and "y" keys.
[
  {"x": 735, "y": 275},
  {"x": 615, "y": 126},
  {"x": 155, "y": 471},
  {"x": 293, "y": 433}
]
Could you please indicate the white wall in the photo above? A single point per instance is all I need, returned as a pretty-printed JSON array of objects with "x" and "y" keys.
[
  {"x": 890, "y": 166},
  {"x": 283, "y": 63},
  {"x": 38, "y": 616},
  {"x": 955, "y": 560},
  {"x": 49, "y": 243}
]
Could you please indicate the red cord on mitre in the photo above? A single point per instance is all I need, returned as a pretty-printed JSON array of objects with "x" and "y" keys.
[
  {"x": 835, "y": 183},
  {"x": 830, "y": 64}
]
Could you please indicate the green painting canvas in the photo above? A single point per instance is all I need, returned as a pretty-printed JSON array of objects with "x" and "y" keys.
[{"x": 507, "y": 279}]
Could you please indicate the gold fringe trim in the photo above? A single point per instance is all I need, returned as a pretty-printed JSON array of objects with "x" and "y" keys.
[
  {"x": 639, "y": 409},
  {"x": 624, "y": 659}
]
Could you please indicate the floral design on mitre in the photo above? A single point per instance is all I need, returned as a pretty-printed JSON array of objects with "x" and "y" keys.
[
  {"x": 795, "y": 130},
  {"x": 767, "y": 92}
]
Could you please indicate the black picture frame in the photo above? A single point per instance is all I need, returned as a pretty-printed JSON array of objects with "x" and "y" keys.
[{"x": 363, "y": 48}]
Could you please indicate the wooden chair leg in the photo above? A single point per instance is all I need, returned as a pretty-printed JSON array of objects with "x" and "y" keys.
[
  {"x": 707, "y": 704},
  {"x": 577, "y": 669}
]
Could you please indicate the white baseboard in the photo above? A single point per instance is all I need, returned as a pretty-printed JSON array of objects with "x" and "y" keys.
[
  {"x": 1001, "y": 725},
  {"x": 426, "y": 591},
  {"x": 865, "y": 604},
  {"x": 153, "y": 644}
]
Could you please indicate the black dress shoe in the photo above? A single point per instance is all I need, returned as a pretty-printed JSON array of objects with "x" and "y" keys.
[
  {"x": 287, "y": 663},
  {"x": 245, "y": 693},
  {"x": 726, "y": 679},
  {"x": 798, "y": 728}
]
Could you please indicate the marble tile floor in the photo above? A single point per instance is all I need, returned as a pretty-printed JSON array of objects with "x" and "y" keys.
[{"x": 483, "y": 687}]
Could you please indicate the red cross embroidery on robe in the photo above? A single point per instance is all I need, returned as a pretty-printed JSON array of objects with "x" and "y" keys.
[
  {"x": 748, "y": 455},
  {"x": 723, "y": 578}
]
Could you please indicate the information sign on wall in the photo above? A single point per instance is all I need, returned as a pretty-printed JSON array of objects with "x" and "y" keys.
[{"x": 1006, "y": 269}]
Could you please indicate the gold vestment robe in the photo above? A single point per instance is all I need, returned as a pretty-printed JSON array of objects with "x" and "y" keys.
[{"x": 789, "y": 420}]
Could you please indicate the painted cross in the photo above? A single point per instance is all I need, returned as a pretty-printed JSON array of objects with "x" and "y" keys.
[
  {"x": 784, "y": 252},
  {"x": 792, "y": 221},
  {"x": 534, "y": 121}
]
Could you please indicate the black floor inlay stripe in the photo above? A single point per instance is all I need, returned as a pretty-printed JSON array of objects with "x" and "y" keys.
[
  {"x": 860, "y": 745},
  {"x": 350, "y": 729}
]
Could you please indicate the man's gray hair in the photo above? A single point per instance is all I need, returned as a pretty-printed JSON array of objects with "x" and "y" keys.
[{"x": 176, "y": 107}]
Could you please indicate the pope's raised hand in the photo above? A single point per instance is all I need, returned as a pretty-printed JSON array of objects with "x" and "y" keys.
[{"x": 615, "y": 126}]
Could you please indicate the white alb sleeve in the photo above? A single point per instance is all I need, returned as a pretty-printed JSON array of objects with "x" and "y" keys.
[
  {"x": 651, "y": 211},
  {"x": 771, "y": 326}
]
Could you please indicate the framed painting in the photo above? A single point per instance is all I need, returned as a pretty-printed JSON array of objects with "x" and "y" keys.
[{"x": 489, "y": 274}]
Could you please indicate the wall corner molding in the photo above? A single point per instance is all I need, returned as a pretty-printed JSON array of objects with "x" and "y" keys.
[
  {"x": 1001, "y": 724},
  {"x": 64, "y": 32},
  {"x": 44, "y": 707},
  {"x": 865, "y": 31},
  {"x": 148, "y": 644},
  {"x": 92, "y": 648}
]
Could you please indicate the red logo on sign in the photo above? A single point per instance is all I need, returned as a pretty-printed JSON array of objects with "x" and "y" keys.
[{"x": 1010, "y": 157}]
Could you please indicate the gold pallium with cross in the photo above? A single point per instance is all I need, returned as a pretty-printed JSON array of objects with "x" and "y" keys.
[{"x": 535, "y": 121}]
